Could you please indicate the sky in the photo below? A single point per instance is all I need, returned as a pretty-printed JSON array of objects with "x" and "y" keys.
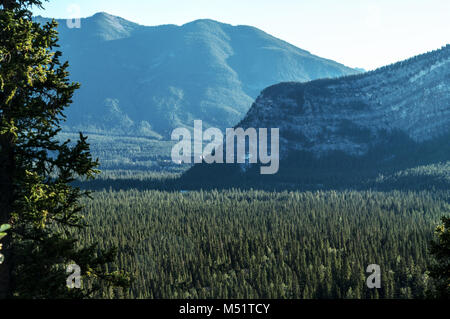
[{"x": 358, "y": 33}]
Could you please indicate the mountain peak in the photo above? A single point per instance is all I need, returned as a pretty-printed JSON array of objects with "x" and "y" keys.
[
  {"x": 103, "y": 14},
  {"x": 205, "y": 21},
  {"x": 110, "y": 27},
  {"x": 109, "y": 18}
]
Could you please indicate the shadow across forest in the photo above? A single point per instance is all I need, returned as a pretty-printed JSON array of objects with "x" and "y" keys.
[{"x": 397, "y": 164}]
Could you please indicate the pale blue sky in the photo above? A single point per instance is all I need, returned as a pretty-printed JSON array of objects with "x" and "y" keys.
[{"x": 358, "y": 33}]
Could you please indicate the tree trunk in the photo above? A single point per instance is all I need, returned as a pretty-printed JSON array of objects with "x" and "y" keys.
[{"x": 7, "y": 166}]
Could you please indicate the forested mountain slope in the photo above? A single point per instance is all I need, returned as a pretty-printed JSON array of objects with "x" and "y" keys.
[
  {"x": 394, "y": 118},
  {"x": 146, "y": 81}
]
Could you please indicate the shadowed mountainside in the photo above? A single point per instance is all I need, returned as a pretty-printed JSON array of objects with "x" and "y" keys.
[{"x": 347, "y": 130}]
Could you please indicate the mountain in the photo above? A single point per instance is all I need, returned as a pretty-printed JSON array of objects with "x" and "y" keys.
[
  {"x": 354, "y": 127},
  {"x": 146, "y": 81},
  {"x": 348, "y": 114}
]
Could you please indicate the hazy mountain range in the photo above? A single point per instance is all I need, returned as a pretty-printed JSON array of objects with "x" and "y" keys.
[{"x": 146, "y": 81}]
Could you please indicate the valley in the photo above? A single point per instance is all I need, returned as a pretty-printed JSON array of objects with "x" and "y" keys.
[{"x": 363, "y": 176}]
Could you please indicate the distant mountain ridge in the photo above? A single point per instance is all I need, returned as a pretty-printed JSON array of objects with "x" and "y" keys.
[{"x": 146, "y": 81}]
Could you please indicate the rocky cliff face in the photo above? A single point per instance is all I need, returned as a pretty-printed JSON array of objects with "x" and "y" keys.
[{"x": 354, "y": 113}]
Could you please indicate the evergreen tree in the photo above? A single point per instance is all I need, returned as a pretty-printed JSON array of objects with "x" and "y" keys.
[
  {"x": 36, "y": 169},
  {"x": 440, "y": 249}
]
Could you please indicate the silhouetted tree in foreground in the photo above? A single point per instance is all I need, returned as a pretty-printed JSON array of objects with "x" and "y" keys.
[
  {"x": 36, "y": 170},
  {"x": 440, "y": 248}
]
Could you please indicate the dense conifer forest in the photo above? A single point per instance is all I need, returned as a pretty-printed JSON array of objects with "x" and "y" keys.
[{"x": 258, "y": 244}]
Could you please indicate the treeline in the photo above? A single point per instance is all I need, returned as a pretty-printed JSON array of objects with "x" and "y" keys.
[
  {"x": 426, "y": 177},
  {"x": 257, "y": 244},
  {"x": 302, "y": 170},
  {"x": 130, "y": 153}
]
